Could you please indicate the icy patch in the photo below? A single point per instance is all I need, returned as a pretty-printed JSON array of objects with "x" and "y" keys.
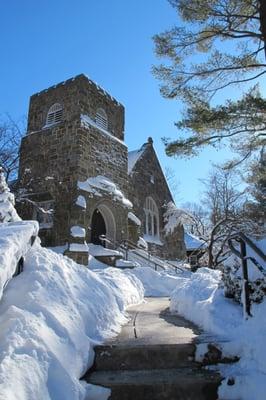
[{"x": 100, "y": 184}]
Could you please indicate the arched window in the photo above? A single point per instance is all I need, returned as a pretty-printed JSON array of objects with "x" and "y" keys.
[
  {"x": 151, "y": 227},
  {"x": 54, "y": 114},
  {"x": 101, "y": 119}
]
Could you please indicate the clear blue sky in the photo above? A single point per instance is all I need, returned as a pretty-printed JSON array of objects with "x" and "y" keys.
[{"x": 46, "y": 42}]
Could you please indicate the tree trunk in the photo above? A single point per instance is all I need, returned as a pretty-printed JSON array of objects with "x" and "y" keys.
[{"x": 262, "y": 11}]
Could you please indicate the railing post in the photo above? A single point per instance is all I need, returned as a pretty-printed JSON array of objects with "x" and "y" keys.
[{"x": 246, "y": 299}]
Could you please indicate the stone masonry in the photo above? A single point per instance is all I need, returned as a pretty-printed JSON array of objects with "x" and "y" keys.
[{"x": 55, "y": 158}]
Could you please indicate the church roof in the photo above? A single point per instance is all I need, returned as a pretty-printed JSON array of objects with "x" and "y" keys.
[
  {"x": 133, "y": 157},
  {"x": 192, "y": 242}
]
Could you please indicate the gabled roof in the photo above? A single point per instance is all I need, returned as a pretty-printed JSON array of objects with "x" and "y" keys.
[
  {"x": 192, "y": 242},
  {"x": 134, "y": 156}
]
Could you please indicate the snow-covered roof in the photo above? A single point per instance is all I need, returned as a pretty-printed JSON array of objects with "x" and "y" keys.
[
  {"x": 193, "y": 243},
  {"x": 100, "y": 184},
  {"x": 133, "y": 157}
]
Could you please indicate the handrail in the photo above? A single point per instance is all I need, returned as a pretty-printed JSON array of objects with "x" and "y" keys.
[
  {"x": 155, "y": 259},
  {"x": 242, "y": 254},
  {"x": 127, "y": 245}
]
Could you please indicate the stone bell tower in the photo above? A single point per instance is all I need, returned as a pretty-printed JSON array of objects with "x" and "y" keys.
[{"x": 73, "y": 165}]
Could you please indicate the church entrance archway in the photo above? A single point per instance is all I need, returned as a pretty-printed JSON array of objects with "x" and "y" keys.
[
  {"x": 98, "y": 227},
  {"x": 103, "y": 224}
]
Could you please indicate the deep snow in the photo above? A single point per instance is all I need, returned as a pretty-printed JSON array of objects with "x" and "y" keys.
[
  {"x": 51, "y": 315},
  {"x": 201, "y": 300}
]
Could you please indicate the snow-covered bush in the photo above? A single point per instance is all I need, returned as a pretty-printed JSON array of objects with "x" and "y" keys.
[{"x": 7, "y": 202}]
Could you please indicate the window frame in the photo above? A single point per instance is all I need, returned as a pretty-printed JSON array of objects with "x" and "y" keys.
[
  {"x": 54, "y": 114},
  {"x": 151, "y": 226}
]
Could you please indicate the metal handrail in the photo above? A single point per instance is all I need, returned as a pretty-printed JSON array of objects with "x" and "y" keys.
[
  {"x": 243, "y": 240},
  {"x": 127, "y": 245}
]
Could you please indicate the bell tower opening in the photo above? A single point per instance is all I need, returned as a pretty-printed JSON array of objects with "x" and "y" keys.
[{"x": 98, "y": 227}]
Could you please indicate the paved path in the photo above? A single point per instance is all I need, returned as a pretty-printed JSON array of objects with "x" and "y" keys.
[
  {"x": 153, "y": 358},
  {"x": 152, "y": 323}
]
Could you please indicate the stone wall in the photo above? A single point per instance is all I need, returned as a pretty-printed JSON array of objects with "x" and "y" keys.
[
  {"x": 78, "y": 95},
  {"x": 54, "y": 159}
]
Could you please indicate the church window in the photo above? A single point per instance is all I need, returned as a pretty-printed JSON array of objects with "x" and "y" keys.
[
  {"x": 101, "y": 119},
  {"x": 54, "y": 114},
  {"x": 151, "y": 227}
]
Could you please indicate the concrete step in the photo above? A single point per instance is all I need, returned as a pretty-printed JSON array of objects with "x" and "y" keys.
[
  {"x": 160, "y": 384},
  {"x": 161, "y": 356}
]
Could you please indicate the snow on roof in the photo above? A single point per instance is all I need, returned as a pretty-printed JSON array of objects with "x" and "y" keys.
[
  {"x": 193, "y": 243},
  {"x": 133, "y": 157},
  {"x": 99, "y": 184}
]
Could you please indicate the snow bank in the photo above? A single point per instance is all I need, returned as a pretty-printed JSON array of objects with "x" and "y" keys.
[
  {"x": 51, "y": 316},
  {"x": 15, "y": 240},
  {"x": 155, "y": 283},
  {"x": 201, "y": 300},
  {"x": 98, "y": 184}
]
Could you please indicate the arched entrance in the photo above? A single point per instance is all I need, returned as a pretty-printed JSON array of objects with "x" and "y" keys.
[
  {"x": 98, "y": 227},
  {"x": 103, "y": 223}
]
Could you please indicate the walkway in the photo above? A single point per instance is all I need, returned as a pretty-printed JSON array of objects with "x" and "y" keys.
[{"x": 153, "y": 358}]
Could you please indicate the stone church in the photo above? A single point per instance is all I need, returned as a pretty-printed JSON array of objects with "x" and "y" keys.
[{"x": 79, "y": 180}]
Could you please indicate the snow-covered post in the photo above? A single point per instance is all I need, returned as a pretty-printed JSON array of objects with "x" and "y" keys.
[
  {"x": 77, "y": 247},
  {"x": 7, "y": 202}
]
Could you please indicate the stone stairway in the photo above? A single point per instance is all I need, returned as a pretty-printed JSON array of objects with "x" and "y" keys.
[{"x": 153, "y": 359}]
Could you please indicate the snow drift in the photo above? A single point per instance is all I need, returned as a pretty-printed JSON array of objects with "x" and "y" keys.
[
  {"x": 51, "y": 315},
  {"x": 201, "y": 300}
]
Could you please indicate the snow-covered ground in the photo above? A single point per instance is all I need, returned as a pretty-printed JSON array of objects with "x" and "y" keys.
[
  {"x": 201, "y": 300},
  {"x": 51, "y": 316}
]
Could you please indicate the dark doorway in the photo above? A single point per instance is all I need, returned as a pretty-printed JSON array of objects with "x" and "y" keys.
[{"x": 98, "y": 227}]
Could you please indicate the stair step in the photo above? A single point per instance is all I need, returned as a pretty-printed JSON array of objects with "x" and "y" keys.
[
  {"x": 170, "y": 384},
  {"x": 161, "y": 356}
]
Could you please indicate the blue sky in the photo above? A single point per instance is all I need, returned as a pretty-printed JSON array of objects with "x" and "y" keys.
[{"x": 46, "y": 42}]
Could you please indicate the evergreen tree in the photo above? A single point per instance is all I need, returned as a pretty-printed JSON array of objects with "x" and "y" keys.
[{"x": 206, "y": 27}]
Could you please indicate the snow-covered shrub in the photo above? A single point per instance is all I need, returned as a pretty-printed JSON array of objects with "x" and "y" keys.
[{"x": 7, "y": 202}]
